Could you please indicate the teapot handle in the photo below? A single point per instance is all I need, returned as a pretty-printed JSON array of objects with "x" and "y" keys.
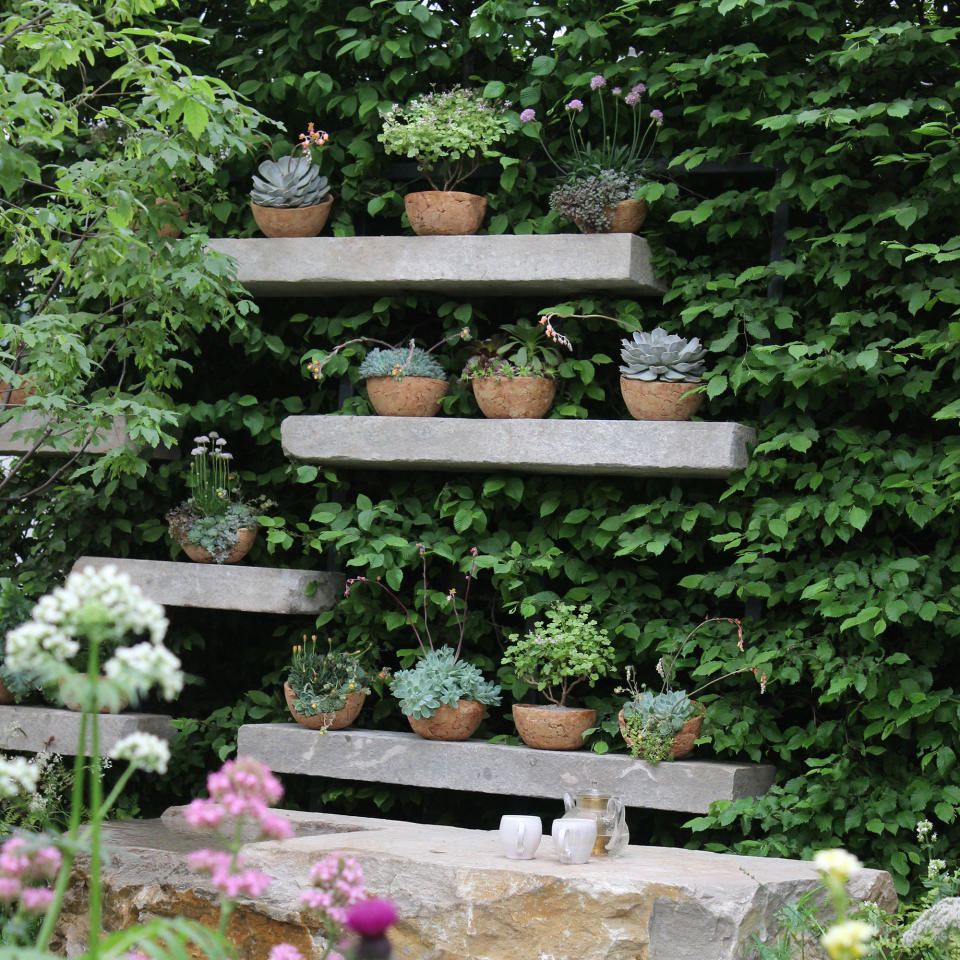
[{"x": 615, "y": 808}]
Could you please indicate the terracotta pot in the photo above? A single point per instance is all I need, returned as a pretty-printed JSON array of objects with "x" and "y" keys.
[
  {"x": 683, "y": 742},
  {"x": 76, "y": 708},
  {"x": 330, "y": 721},
  {"x": 552, "y": 728},
  {"x": 6, "y": 696},
  {"x": 181, "y": 212},
  {"x": 292, "y": 221},
  {"x": 660, "y": 400},
  {"x": 407, "y": 397},
  {"x": 444, "y": 212},
  {"x": 626, "y": 217},
  {"x": 512, "y": 398},
  {"x": 11, "y": 396},
  {"x": 448, "y": 723},
  {"x": 245, "y": 538}
]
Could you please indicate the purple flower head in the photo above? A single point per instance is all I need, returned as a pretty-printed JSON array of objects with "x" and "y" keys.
[
  {"x": 575, "y": 105},
  {"x": 528, "y": 115},
  {"x": 370, "y": 918},
  {"x": 632, "y": 98},
  {"x": 597, "y": 82},
  {"x": 657, "y": 117},
  {"x": 616, "y": 91},
  {"x": 639, "y": 88}
]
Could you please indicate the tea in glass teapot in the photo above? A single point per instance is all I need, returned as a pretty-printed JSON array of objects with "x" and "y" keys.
[{"x": 610, "y": 814}]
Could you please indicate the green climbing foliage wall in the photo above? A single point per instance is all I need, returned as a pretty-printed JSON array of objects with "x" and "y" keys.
[{"x": 837, "y": 546}]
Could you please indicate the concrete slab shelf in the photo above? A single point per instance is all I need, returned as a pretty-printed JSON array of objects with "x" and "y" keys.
[
  {"x": 35, "y": 729},
  {"x": 105, "y": 440},
  {"x": 227, "y": 587},
  {"x": 592, "y": 447},
  {"x": 383, "y": 756},
  {"x": 506, "y": 265}
]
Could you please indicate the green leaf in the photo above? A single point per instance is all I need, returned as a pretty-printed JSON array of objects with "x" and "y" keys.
[{"x": 195, "y": 117}]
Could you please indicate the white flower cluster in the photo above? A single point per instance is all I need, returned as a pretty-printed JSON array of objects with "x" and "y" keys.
[
  {"x": 839, "y": 864},
  {"x": 144, "y": 751},
  {"x": 17, "y": 775},
  {"x": 138, "y": 668},
  {"x": 848, "y": 940}
]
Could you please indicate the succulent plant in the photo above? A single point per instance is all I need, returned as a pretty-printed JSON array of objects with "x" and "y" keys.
[
  {"x": 662, "y": 356},
  {"x": 440, "y": 678},
  {"x": 660, "y": 713},
  {"x": 400, "y": 362},
  {"x": 588, "y": 201},
  {"x": 289, "y": 182}
]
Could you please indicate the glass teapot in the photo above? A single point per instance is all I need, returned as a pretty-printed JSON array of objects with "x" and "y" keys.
[{"x": 610, "y": 814}]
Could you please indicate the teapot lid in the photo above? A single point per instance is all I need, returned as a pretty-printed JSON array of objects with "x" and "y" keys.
[{"x": 593, "y": 798}]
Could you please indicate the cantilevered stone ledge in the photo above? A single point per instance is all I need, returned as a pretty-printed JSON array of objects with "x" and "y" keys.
[
  {"x": 644, "y": 448},
  {"x": 105, "y": 440},
  {"x": 505, "y": 265},
  {"x": 35, "y": 729},
  {"x": 227, "y": 586},
  {"x": 382, "y": 756}
]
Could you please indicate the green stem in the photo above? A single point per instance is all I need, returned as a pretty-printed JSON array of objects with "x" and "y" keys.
[
  {"x": 96, "y": 802},
  {"x": 227, "y": 905}
]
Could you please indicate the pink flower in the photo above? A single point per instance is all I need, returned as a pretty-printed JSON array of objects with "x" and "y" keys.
[
  {"x": 9, "y": 889},
  {"x": 371, "y": 918},
  {"x": 203, "y": 813},
  {"x": 275, "y": 826},
  {"x": 46, "y": 862},
  {"x": 206, "y": 861},
  {"x": 135, "y": 955},
  {"x": 597, "y": 82},
  {"x": 632, "y": 98},
  {"x": 657, "y": 117},
  {"x": 616, "y": 91},
  {"x": 575, "y": 105},
  {"x": 527, "y": 115},
  {"x": 36, "y": 899},
  {"x": 285, "y": 951},
  {"x": 314, "y": 899},
  {"x": 639, "y": 88}
]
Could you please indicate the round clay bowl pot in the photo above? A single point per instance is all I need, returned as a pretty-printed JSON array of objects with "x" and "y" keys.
[
  {"x": 626, "y": 217},
  {"x": 552, "y": 728},
  {"x": 449, "y": 724},
  {"x": 408, "y": 397},
  {"x": 5, "y": 695},
  {"x": 171, "y": 230},
  {"x": 514, "y": 398},
  {"x": 292, "y": 221},
  {"x": 444, "y": 212},
  {"x": 331, "y": 721},
  {"x": 683, "y": 742},
  {"x": 660, "y": 400},
  {"x": 245, "y": 538},
  {"x": 13, "y": 396},
  {"x": 76, "y": 708}
]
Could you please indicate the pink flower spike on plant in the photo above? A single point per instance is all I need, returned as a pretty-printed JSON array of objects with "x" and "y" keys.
[
  {"x": 527, "y": 115},
  {"x": 632, "y": 98},
  {"x": 285, "y": 951},
  {"x": 9, "y": 889},
  {"x": 371, "y": 918},
  {"x": 275, "y": 826},
  {"x": 657, "y": 117},
  {"x": 639, "y": 88},
  {"x": 46, "y": 862},
  {"x": 597, "y": 82},
  {"x": 206, "y": 861},
  {"x": 203, "y": 813},
  {"x": 575, "y": 105},
  {"x": 36, "y": 899}
]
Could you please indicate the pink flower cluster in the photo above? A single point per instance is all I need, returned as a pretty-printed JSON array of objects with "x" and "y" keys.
[
  {"x": 241, "y": 789},
  {"x": 227, "y": 874},
  {"x": 337, "y": 885},
  {"x": 21, "y": 864}
]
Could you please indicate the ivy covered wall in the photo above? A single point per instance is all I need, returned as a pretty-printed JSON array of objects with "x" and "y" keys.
[{"x": 837, "y": 546}]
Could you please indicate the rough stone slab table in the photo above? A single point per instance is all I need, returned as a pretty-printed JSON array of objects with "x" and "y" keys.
[
  {"x": 384, "y": 756},
  {"x": 35, "y": 729},
  {"x": 644, "y": 448},
  {"x": 105, "y": 440},
  {"x": 505, "y": 265},
  {"x": 459, "y": 898},
  {"x": 227, "y": 586}
]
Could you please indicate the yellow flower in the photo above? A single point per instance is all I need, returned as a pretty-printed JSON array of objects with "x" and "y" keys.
[
  {"x": 848, "y": 940},
  {"x": 837, "y": 864}
]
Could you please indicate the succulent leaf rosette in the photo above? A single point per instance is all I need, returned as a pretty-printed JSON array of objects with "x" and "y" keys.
[
  {"x": 659, "y": 355},
  {"x": 295, "y": 181}
]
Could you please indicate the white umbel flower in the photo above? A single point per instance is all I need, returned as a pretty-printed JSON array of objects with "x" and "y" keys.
[
  {"x": 17, "y": 775},
  {"x": 143, "y": 666},
  {"x": 144, "y": 751},
  {"x": 848, "y": 940},
  {"x": 839, "y": 864}
]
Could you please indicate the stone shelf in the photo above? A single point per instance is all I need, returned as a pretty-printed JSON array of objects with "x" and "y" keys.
[
  {"x": 506, "y": 265},
  {"x": 382, "y": 756},
  {"x": 227, "y": 586},
  {"x": 105, "y": 440},
  {"x": 641, "y": 448},
  {"x": 35, "y": 729}
]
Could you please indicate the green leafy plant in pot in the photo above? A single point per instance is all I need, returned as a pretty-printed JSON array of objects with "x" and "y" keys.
[
  {"x": 215, "y": 525},
  {"x": 665, "y": 725},
  {"x": 289, "y": 197},
  {"x": 556, "y": 656},
  {"x": 449, "y": 134},
  {"x": 442, "y": 696},
  {"x": 513, "y": 374},
  {"x": 325, "y": 688},
  {"x": 401, "y": 381},
  {"x": 660, "y": 375}
]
